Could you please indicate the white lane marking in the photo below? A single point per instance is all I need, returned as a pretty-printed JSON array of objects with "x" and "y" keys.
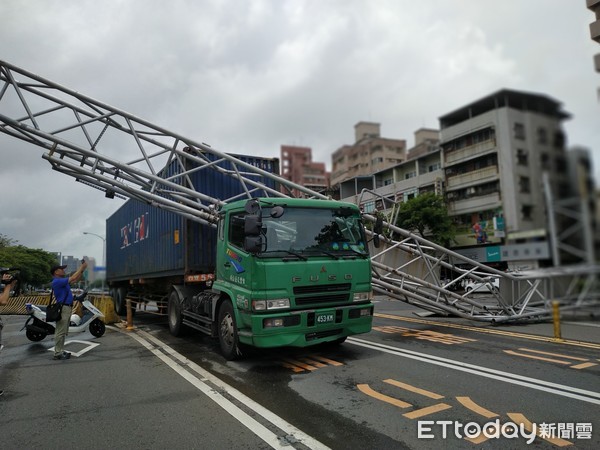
[
  {"x": 89, "y": 346},
  {"x": 261, "y": 431},
  {"x": 554, "y": 388}
]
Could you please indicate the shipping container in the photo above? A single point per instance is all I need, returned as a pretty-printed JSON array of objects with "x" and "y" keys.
[{"x": 146, "y": 242}]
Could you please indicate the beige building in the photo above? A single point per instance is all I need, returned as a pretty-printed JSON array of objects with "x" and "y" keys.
[
  {"x": 421, "y": 172},
  {"x": 370, "y": 153}
]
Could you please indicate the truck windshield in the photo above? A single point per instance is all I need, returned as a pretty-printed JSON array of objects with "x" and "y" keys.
[{"x": 312, "y": 231}]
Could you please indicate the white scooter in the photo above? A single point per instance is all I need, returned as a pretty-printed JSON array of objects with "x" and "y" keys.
[{"x": 39, "y": 329}]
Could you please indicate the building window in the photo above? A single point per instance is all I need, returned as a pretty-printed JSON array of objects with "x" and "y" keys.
[
  {"x": 519, "y": 130},
  {"x": 388, "y": 181},
  {"x": 368, "y": 207},
  {"x": 433, "y": 167},
  {"x": 410, "y": 175},
  {"x": 559, "y": 140},
  {"x": 524, "y": 185},
  {"x": 545, "y": 159},
  {"x": 542, "y": 136},
  {"x": 522, "y": 157},
  {"x": 526, "y": 212}
]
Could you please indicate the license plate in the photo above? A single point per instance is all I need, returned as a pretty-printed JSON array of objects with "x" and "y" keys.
[{"x": 325, "y": 318}]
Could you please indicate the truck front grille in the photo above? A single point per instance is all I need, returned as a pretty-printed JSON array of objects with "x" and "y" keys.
[
  {"x": 321, "y": 288},
  {"x": 322, "y": 299}
]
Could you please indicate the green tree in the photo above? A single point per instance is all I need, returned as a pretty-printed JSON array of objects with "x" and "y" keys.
[
  {"x": 34, "y": 263},
  {"x": 5, "y": 241},
  {"x": 427, "y": 215}
]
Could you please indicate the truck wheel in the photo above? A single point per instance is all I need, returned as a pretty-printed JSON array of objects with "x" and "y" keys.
[
  {"x": 174, "y": 314},
  {"x": 97, "y": 328},
  {"x": 118, "y": 295},
  {"x": 228, "y": 337}
]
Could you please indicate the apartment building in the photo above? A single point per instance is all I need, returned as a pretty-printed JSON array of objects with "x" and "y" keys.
[
  {"x": 370, "y": 153},
  {"x": 297, "y": 166},
  {"x": 497, "y": 151},
  {"x": 422, "y": 172},
  {"x": 493, "y": 160}
]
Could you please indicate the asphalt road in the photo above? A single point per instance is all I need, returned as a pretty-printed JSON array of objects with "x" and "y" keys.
[{"x": 413, "y": 382}]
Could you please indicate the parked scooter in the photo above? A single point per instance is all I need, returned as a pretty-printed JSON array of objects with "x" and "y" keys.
[{"x": 39, "y": 329}]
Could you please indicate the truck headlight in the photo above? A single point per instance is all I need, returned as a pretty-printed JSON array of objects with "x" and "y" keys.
[
  {"x": 362, "y": 296},
  {"x": 268, "y": 305}
]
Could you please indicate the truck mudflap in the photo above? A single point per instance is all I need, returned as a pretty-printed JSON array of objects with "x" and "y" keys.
[{"x": 305, "y": 328}]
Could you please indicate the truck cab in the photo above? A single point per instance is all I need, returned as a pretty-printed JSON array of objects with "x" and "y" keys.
[{"x": 291, "y": 272}]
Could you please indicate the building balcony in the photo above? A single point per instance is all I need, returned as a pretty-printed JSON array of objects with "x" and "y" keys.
[
  {"x": 476, "y": 176},
  {"x": 425, "y": 179},
  {"x": 475, "y": 204},
  {"x": 463, "y": 154},
  {"x": 595, "y": 31}
]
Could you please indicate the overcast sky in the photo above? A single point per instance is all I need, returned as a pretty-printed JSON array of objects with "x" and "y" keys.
[{"x": 249, "y": 76}]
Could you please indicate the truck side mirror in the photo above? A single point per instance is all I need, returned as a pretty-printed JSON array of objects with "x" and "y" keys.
[
  {"x": 253, "y": 244},
  {"x": 252, "y": 225}
]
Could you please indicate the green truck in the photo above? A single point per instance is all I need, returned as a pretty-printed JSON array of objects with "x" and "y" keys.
[{"x": 279, "y": 271}]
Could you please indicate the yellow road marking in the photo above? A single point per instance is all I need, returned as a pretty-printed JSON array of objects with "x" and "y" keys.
[
  {"x": 327, "y": 360},
  {"x": 584, "y": 365},
  {"x": 293, "y": 367},
  {"x": 365, "y": 389},
  {"x": 299, "y": 364},
  {"x": 539, "y": 358},
  {"x": 427, "y": 411},
  {"x": 414, "y": 389},
  {"x": 312, "y": 362},
  {"x": 428, "y": 335},
  {"x": 488, "y": 331},
  {"x": 521, "y": 419},
  {"x": 553, "y": 354},
  {"x": 470, "y": 404}
]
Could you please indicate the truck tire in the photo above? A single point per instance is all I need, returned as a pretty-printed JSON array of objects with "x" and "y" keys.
[
  {"x": 228, "y": 337},
  {"x": 174, "y": 314},
  {"x": 119, "y": 294}
]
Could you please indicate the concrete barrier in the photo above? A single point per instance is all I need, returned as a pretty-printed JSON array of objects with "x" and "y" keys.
[
  {"x": 16, "y": 305},
  {"x": 105, "y": 304}
]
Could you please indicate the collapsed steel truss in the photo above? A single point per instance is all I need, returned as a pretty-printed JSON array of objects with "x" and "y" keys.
[
  {"x": 89, "y": 140},
  {"x": 409, "y": 268}
]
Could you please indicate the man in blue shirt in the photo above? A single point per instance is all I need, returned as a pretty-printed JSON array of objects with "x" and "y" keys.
[{"x": 62, "y": 293}]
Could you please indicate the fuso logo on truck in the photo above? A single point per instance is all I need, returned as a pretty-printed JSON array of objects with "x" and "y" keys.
[{"x": 135, "y": 231}]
